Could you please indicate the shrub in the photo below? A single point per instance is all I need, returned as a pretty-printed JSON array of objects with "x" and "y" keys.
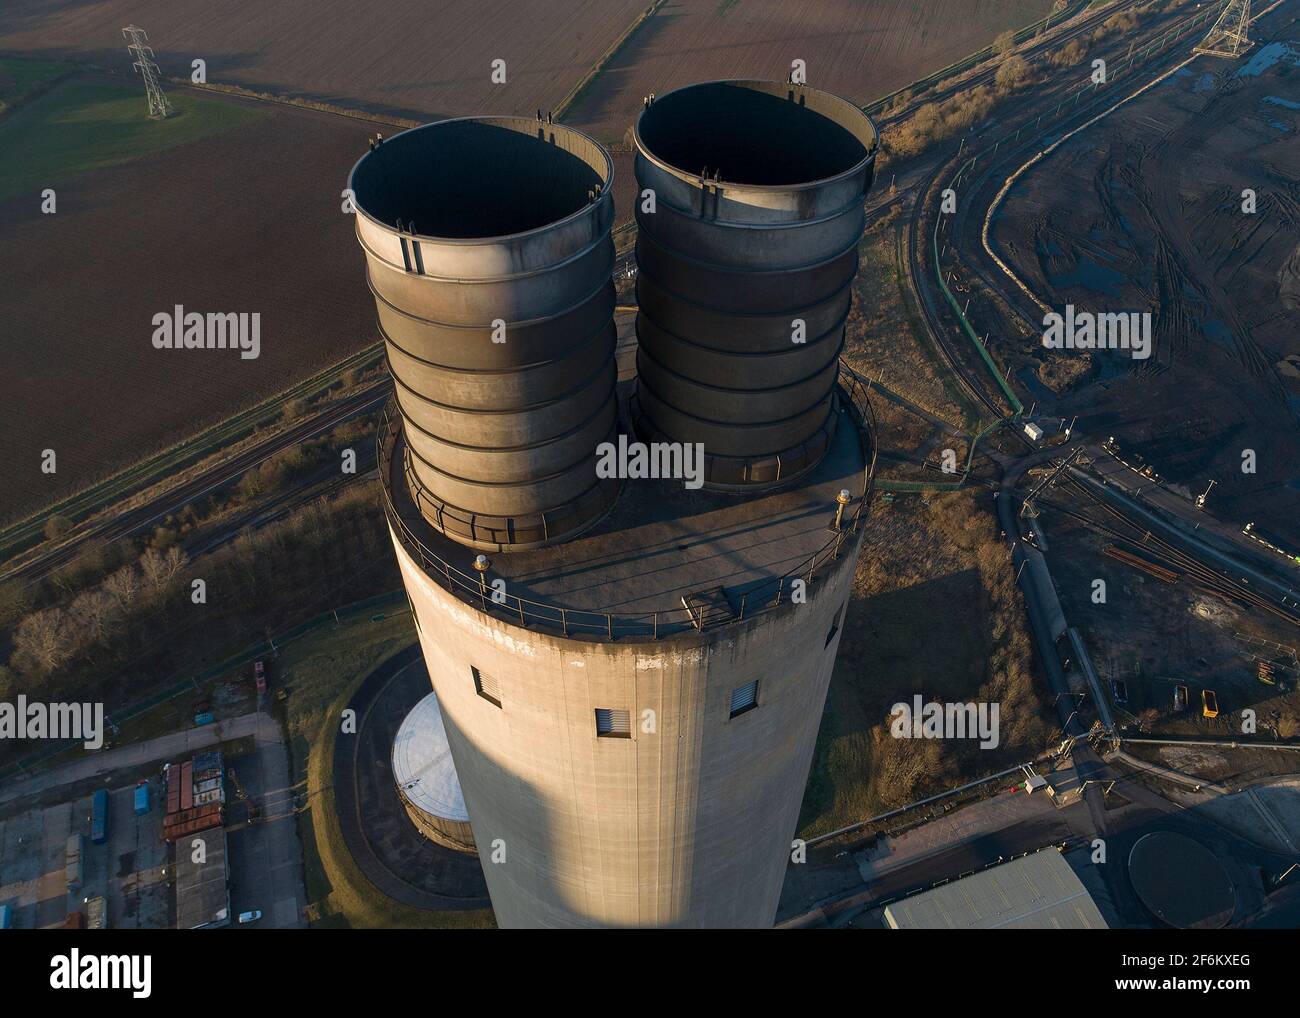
[
  {"x": 1013, "y": 74},
  {"x": 56, "y": 526}
]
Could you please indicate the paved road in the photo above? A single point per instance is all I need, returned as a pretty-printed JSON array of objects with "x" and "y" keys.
[
  {"x": 164, "y": 748},
  {"x": 266, "y": 857}
]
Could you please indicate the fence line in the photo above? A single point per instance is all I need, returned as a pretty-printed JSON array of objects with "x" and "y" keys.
[{"x": 762, "y": 596}]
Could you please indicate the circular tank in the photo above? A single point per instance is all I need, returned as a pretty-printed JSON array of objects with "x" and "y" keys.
[
  {"x": 426, "y": 777},
  {"x": 1181, "y": 881},
  {"x": 745, "y": 271},
  {"x": 488, "y": 250}
]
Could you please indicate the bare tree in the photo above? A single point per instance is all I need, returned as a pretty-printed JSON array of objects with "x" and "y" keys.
[
  {"x": 41, "y": 637},
  {"x": 15, "y": 601},
  {"x": 159, "y": 568},
  {"x": 56, "y": 526},
  {"x": 124, "y": 586},
  {"x": 1013, "y": 73},
  {"x": 92, "y": 612}
]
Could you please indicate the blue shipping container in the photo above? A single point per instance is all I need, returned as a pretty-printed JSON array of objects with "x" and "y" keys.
[
  {"x": 99, "y": 817},
  {"x": 141, "y": 799},
  {"x": 6, "y": 917}
]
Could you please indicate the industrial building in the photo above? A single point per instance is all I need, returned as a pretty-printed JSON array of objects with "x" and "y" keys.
[
  {"x": 203, "y": 883},
  {"x": 630, "y": 669},
  {"x": 426, "y": 778},
  {"x": 196, "y": 795},
  {"x": 1035, "y": 892}
]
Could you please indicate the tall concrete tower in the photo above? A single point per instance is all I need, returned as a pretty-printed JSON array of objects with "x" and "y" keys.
[{"x": 631, "y": 669}]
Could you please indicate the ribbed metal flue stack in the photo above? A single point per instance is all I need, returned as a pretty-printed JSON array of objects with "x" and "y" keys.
[
  {"x": 487, "y": 242},
  {"x": 750, "y": 211}
]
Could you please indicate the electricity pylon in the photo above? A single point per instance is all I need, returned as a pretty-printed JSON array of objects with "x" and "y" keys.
[
  {"x": 1228, "y": 36},
  {"x": 138, "y": 46}
]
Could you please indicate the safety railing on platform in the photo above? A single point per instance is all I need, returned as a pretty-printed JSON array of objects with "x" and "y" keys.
[{"x": 752, "y": 599}]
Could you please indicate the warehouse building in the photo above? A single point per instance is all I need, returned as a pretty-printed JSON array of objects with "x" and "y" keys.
[
  {"x": 202, "y": 887},
  {"x": 1035, "y": 892}
]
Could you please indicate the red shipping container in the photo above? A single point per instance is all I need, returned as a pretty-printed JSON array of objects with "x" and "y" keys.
[
  {"x": 187, "y": 785},
  {"x": 173, "y": 789},
  {"x": 194, "y": 826}
]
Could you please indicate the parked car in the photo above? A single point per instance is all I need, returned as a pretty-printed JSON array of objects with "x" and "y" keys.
[
  {"x": 1119, "y": 691},
  {"x": 250, "y": 917}
]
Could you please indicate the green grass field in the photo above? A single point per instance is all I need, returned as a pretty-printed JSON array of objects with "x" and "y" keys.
[
  {"x": 322, "y": 672},
  {"x": 18, "y": 77},
  {"x": 86, "y": 125}
]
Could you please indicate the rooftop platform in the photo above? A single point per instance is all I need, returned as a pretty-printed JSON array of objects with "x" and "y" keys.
[{"x": 665, "y": 559}]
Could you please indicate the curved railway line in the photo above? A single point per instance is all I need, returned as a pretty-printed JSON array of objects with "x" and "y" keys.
[{"x": 919, "y": 259}]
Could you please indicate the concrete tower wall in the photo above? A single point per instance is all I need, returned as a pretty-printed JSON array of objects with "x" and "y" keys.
[{"x": 690, "y": 824}]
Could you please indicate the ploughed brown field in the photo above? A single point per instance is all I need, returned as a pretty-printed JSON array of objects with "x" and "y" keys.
[
  {"x": 861, "y": 50},
  {"x": 414, "y": 58},
  {"x": 247, "y": 220}
]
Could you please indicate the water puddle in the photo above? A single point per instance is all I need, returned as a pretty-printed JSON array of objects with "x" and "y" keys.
[
  {"x": 1266, "y": 57},
  {"x": 1091, "y": 276}
]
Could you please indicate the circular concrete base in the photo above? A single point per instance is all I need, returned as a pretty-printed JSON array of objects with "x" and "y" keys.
[
  {"x": 1181, "y": 882},
  {"x": 391, "y": 851}
]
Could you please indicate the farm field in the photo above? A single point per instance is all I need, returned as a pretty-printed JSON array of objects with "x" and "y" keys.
[
  {"x": 247, "y": 220},
  {"x": 859, "y": 50},
  {"x": 1144, "y": 213},
  {"x": 403, "y": 57},
  {"x": 89, "y": 125},
  {"x": 19, "y": 77}
]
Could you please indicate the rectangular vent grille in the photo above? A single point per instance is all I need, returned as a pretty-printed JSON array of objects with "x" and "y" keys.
[
  {"x": 486, "y": 687},
  {"x": 744, "y": 698},
  {"x": 613, "y": 724}
]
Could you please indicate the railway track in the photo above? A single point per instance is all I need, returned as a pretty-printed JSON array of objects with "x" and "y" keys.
[
  {"x": 917, "y": 254},
  {"x": 1166, "y": 554},
  {"x": 917, "y": 269},
  {"x": 139, "y": 519},
  {"x": 1088, "y": 24}
]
